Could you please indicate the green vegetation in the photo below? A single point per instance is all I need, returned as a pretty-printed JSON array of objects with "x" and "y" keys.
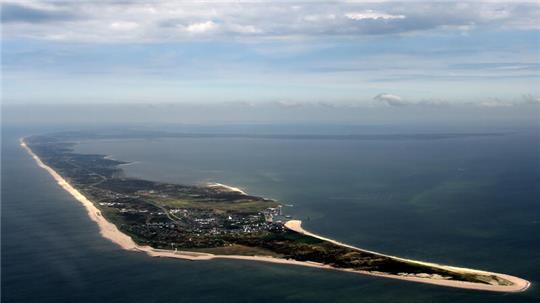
[
  {"x": 242, "y": 205},
  {"x": 239, "y": 250}
]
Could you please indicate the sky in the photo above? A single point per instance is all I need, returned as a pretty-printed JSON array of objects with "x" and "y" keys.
[{"x": 288, "y": 54}]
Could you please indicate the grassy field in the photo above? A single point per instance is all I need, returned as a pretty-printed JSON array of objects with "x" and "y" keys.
[
  {"x": 236, "y": 249},
  {"x": 247, "y": 206}
]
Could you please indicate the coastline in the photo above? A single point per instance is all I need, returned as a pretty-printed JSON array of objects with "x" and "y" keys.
[
  {"x": 109, "y": 231},
  {"x": 226, "y": 187}
]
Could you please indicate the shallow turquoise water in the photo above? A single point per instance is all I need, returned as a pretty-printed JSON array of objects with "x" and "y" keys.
[{"x": 470, "y": 202}]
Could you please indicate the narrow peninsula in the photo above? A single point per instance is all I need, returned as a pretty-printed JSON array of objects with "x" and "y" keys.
[{"x": 218, "y": 221}]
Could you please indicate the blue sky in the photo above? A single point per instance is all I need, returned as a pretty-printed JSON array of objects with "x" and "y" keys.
[{"x": 341, "y": 54}]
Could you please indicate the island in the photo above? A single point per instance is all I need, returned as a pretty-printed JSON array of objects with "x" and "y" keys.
[{"x": 216, "y": 221}]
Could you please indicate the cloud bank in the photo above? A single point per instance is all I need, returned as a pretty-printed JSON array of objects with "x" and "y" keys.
[
  {"x": 397, "y": 101},
  {"x": 163, "y": 21}
]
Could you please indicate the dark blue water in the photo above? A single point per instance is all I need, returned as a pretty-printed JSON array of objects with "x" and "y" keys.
[{"x": 471, "y": 202}]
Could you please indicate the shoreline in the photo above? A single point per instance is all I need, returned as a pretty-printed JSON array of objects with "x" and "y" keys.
[
  {"x": 109, "y": 231},
  {"x": 227, "y": 187}
]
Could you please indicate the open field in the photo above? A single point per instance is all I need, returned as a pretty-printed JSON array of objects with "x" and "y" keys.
[
  {"x": 237, "y": 249},
  {"x": 246, "y": 206}
]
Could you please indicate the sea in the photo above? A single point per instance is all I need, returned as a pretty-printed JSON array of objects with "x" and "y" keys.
[{"x": 471, "y": 201}]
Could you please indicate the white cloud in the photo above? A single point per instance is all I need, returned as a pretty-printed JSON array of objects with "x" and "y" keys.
[
  {"x": 531, "y": 99},
  {"x": 244, "y": 29},
  {"x": 315, "y": 18},
  {"x": 124, "y": 25},
  {"x": 495, "y": 103},
  {"x": 289, "y": 104},
  {"x": 201, "y": 27},
  {"x": 389, "y": 99},
  {"x": 371, "y": 14}
]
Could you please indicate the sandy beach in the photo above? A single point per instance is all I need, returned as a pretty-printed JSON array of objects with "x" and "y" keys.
[
  {"x": 519, "y": 284},
  {"x": 226, "y": 187},
  {"x": 112, "y": 233}
]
